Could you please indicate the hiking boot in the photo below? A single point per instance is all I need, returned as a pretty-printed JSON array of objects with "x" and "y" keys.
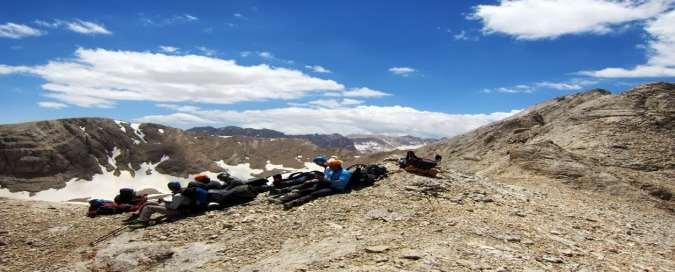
[
  {"x": 131, "y": 218},
  {"x": 274, "y": 200}
]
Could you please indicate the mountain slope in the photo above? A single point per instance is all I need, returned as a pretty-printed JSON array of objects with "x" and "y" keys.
[
  {"x": 322, "y": 140},
  {"x": 621, "y": 144},
  {"x": 41, "y": 155}
]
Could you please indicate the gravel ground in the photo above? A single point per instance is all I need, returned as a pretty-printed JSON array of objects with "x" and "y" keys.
[{"x": 404, "y": 223}]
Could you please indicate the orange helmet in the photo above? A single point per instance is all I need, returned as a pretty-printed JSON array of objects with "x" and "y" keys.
[
  {"x": 334, "y": 163},
  {"x": 202, "y": 178}
]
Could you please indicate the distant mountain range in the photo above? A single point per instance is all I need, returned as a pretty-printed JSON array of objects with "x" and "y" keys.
[{"x": 360, "y": 143}]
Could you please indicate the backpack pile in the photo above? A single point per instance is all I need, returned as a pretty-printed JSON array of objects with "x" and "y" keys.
[
  {"x": 417, "y": 165},
  {"x": 365, "y": 175}
]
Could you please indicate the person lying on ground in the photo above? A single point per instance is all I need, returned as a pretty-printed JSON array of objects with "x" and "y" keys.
[
  {"x": 183, "y": 202},
  {"x": 126, "y": 201},
  {"x": 237, "y": 194},
  {"x": 204, "y": 182},
  {"x": 334, "y": 180}
]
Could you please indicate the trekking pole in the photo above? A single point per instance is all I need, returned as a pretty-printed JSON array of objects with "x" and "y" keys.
[{"x": 110, "y": 234}]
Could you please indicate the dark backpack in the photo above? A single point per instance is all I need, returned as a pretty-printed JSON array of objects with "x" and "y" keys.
[
  {"x": 412, "y": 160},
  {"x": 126, "y": 195},
  {"x": 366, "y": 175},
  {"x": 298, "y": 178}
]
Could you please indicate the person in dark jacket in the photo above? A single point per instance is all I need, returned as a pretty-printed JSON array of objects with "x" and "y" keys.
[
  {"x": 182, "y": 203},
  {"x": 334, "y": 180},
  {"x": 204, "y": 182}
]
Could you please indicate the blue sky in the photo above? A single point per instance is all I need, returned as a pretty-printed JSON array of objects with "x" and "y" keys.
[{"x": 429, "y": 68}]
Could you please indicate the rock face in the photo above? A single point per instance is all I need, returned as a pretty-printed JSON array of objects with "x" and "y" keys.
[
  {"x": 623, "y": 144},
  {"x": 382, "y": 143},
  {"x": 322, "y": 140},
  {"x": 41, "y": 155}
]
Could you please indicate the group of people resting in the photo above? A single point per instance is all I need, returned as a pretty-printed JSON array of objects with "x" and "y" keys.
[{"x": 203, "y": 193}]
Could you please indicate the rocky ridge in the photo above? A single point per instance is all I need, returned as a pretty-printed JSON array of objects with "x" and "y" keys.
[
  {"x": 41, "y": 155},
  {"x": 621, "y": 144}
]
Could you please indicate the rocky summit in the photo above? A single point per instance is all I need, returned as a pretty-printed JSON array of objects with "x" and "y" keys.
[
  {"x": 621, "y": 144},
  {"x": 579, "y": 183}
]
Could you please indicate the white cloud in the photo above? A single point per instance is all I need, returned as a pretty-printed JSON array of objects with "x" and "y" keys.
[
  {"x": 85, "y": 27},
  {"x": 54, "y": 24},
  {"x": 562, "y": 86},
  {"x": 402, "y": 71},
  {"x": 245, "y": 54},
  {"x": 158, "y": 21},
  {"x": 18, "y": 31},
  {"x": 79, "y": 26},
  {"x": 189, "y": 17},
  {"x": 364, "y": 92},
  {"x": 575, "y": 84},
  {"x": 393, "y": 120},
  {"x": 168, "y": 49},
  {"x": 51, "y": 105},
  {"x": 541, "y": 19},
  {"x": 99, "y": 77},
  {"x": 266, "y": 55},
  {"x": 318, "y": 69},
  {"x": 335, "y": 103},
  {"x": 239, "y": 15},
  {"x": 660, "y": 54}
]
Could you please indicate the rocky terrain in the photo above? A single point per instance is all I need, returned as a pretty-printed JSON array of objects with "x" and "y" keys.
[
  {"x": 368, "y": 144},
  {"x": 458, "y": 222},
  {"x": 579, "y": 183},
  {"x": 619, "y": 144},
  {"x": 41, "y": 155}
]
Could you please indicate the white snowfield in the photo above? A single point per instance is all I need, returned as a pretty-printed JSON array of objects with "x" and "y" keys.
[{"x": 107, "y": 185}]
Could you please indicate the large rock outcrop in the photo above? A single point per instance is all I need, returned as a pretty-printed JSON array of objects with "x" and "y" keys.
[{"x": 592, "y": 140}]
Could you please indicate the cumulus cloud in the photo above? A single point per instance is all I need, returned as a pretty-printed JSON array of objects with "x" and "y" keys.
[
  {"x": 364, "y": 92},
  {"x": 18, "y": 31},
  {"x": 660, "y": 54},
  {"x": 402, "y": 71},
  {"x": 542, "y": 19},
  {"x": 335, "y": 103},
  {"x": 318, "y": 69},
  {"x": 99, "y": 77},
  {"x": 392, "y": 120},
  {"x": 51, "y": 105}
]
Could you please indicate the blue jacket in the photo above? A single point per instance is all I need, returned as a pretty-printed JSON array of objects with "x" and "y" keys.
[{"x": 338, "y": 179}]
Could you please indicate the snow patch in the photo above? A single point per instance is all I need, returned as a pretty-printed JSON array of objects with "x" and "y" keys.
[
  {"x": 242, "y": 170},
  {"x": 139, "y": 133},
  {"x": 408, "y": 147},
  {"x": 112, "y": 160},
  {"x": 105, "y": 185},
  {"x": 119, "y": 123},
  {"x": 161, "y": 131},
  {"x": 83, "y": 129},
  {"x": 224, "y": 137}
]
